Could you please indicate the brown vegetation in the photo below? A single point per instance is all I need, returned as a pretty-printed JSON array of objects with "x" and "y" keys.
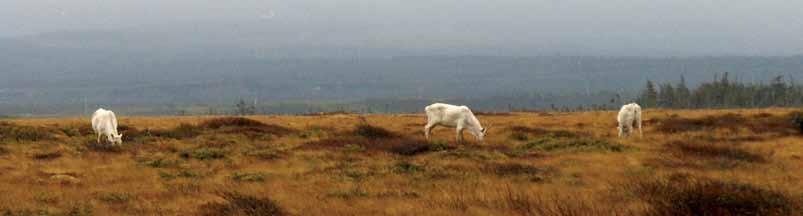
[
  {"x": 682, "y": 194},
  {"x": 731, "y": 162}
]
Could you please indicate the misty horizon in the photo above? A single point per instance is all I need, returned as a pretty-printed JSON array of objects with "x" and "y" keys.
[{"x": 178, "y": 54}]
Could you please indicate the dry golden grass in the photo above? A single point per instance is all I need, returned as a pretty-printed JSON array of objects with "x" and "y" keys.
[{"x": 530, "y": 164}]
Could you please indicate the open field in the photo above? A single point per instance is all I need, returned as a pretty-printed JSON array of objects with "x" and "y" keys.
[{"x": 714, "y": 162}]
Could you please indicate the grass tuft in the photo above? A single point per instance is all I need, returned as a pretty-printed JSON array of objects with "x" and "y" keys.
[
  {"x": 47, "y": 155},
  {"x": 405, "y": 167},
  {"x": 114, "y": 198},
  {"x": 264, "y": 154},
  {"x": 511, "y": 169},
  {"x": 248, "y": 177}
]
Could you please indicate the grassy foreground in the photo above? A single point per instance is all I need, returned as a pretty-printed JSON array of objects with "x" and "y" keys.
[{"x": 712, "y": 162}]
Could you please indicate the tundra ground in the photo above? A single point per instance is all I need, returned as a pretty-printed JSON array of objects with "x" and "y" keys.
[{"x": 706, "y": 162}]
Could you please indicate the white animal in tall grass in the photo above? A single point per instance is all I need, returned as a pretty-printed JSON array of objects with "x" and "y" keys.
[
  {"x": 104, "y": 122},
  {"x": 629, "y": 115},
  {"x": 459, "y": 117}
]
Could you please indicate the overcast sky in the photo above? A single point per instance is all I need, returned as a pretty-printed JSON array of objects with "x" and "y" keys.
[{"x": 619, "y": 27}]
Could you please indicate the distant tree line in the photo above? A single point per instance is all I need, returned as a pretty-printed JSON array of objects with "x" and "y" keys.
[{"x": 722, "y": 93}]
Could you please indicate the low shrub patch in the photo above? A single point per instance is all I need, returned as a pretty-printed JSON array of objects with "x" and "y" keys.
[
  {"x": 240, "y": 204},
  {"x": 522, "y": 132},
  {"x": 550, "y": 143},
  {"x": 405, "y": 167},
  {"x": 161, "y": 163},
  {"x": 240, "y": 125},
  {"x": 248, "y": 177},
  {"x": 203, "y": 153},
  {"x": 400, "y": 146},
  {"x": 714, "y": 151},
  {"x": 114, "y": 198},
  {"x": 373, "y": 132},
  {"x": 675, "y": 124},
  {"x": 685, "y": 195},
  {"x": 77, "y": 130},
  {"x": 47, "y": 155},
  {"x": 22, "y": 133},
  {"x": 264, "y": 154},
  {"x": 182, "y": 131},
  {"x": 511, "y": 169},
  {"x": 798, "y": 121},
  {"x": 131, "y": 134},
  {"x": 348, "y": 194}
]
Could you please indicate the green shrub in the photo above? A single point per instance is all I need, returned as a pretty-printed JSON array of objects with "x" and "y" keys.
[
  {"x": 180, "y": 174},
  {"x": 405, "y": 167},
  {"x": 161, "y": 163},
  {"x": 204, "y": 153},
  {"x": 353, "y": 148},
  {"x": 264, "y": 154},
  {"x": 519, "y": 136}
]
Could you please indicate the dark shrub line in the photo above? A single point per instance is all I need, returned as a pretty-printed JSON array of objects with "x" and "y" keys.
[
  {"x": 203, "y": 153},
  {"x": 761, "y": 123},
  {"x": 21, "y": 133},
  {"x": 49, "y": 155},
  {"x": 555, "y": 144},
  {"x": 685, "y": 195},
  {"x": 373, "y": 132},
  {"x": 372, "y": 138},
  {"x": 710, "y": 150},
  {"x": 227, "y": 125},
  {"x": 240, "y": 204}
]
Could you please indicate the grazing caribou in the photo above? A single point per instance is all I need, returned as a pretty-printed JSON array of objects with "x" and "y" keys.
[
  {"x": 459, "y": 117},
  {"x": 104, "y": 122},
  {"x": 629, "y": 115}
]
